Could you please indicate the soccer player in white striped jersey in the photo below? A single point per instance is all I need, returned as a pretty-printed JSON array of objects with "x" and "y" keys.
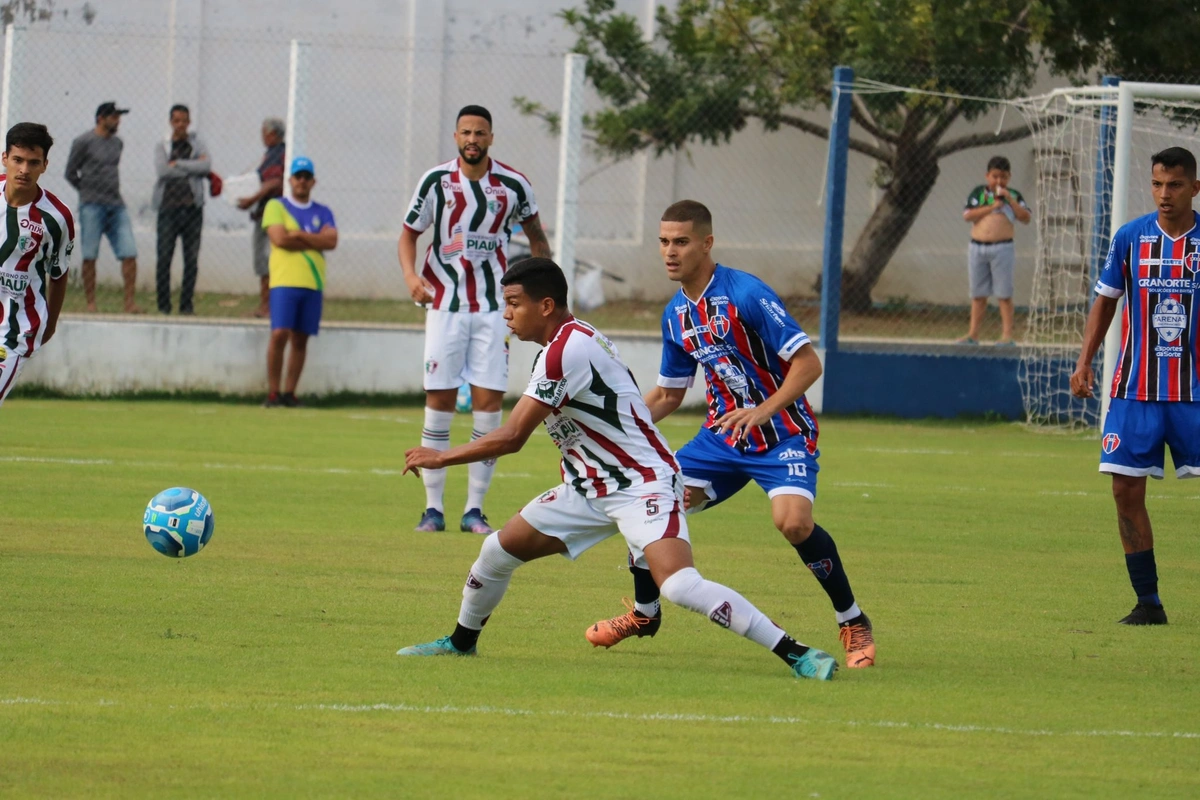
[
  {"x": 618, "y": 474},
  {"x": 470, "y": 203},
  {"x": 35, "y": 252}
]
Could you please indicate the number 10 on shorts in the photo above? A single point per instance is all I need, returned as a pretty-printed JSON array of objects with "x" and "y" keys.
[{"x": 797, "y": 470}]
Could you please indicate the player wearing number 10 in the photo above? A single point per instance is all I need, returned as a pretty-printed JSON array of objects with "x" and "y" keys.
[
  {"x": 618, "y": 476},
  {"x": 758, "y": 364},
  {"x": 470, "y": 204},
  {"x": 1154, "y": 262}
]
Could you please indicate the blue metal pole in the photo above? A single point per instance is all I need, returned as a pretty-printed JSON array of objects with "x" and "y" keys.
[
  {"x": 1105, "y": 154},
  {"x": 835, "y": 208}
]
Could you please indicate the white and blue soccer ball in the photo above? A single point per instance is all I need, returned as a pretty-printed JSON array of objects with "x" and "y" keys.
[{"x": 178, "y": 522}]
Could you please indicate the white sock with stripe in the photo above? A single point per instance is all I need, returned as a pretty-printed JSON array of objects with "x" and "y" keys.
[
  {"x": 436, "y": 436},
  {"x": 479, "y": 473},
  {"x": 486, "y": 583},
  {"x": 722, "y": 605}
]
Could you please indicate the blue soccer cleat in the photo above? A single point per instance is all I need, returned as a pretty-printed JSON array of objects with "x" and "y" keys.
[
  {"x": 475, "y": 522},
  {"x": 431, "y": 521},
  {"x": 813, "y": 664},
  {"x": 441, "y": 647}
]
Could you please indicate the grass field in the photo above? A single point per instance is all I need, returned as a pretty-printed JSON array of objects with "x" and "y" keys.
[{"x": 986, "y": 555}]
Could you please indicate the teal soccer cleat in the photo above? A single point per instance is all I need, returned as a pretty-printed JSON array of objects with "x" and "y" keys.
[
  {"x": 432, "y": 521},
  {"x": 813, "y": 664},
  {"x": 475, "y": 522},
  {"x": 441, "y": 647}
]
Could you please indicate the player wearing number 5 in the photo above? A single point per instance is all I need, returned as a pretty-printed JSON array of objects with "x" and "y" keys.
[
  {"x": 757, "y": 364},
  {"x": 1154, "y": 262},
  {"x": 470, "y": 203}
]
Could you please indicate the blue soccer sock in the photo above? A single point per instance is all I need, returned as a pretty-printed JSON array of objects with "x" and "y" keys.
[
  {"x": 820, "y": 555},
  {"x": 1143, "y": 575}
]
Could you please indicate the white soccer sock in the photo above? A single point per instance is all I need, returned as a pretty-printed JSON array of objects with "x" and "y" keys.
[
  {"x": 722, "y": 605},
  {"x": 486, "y": 583},
  {"x": 435, "y": 435},
  {"x": 847, "y": 615},
  {"x": 479, "y": 473}
]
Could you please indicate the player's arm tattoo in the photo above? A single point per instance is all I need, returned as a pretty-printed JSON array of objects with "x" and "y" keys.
[{"x": 538, "y": 244}]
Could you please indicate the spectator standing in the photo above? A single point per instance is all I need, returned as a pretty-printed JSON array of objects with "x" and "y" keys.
[
  {"x": 300, "y": 231},
  {"x": 270, "y": 176},
  {"x": 93, "y": 168},
  {"x": 992, "y": 208},
  {"x": 181, "y": 163}
]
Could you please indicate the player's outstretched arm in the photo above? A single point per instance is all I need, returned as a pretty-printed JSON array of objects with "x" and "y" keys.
[
  {"x": 508, "y": 438},
  {"x": 805, "y": 367},
  {"x": 1099, "y": 318},
  {"x": 662, "y": 401}
]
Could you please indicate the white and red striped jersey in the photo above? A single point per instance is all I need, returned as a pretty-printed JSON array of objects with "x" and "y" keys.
[
  {"x": 35, "y": 247},
  {"x": 472, "y": 222},
  {"x": 599, "y": 422}
]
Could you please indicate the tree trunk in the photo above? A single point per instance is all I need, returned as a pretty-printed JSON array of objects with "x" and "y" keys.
[{"x": 913, "y": 179}]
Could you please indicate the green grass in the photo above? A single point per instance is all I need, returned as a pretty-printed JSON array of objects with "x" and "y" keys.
[
  {"x": 986, "y": 555},
  {"x": 890, "y": 321}
]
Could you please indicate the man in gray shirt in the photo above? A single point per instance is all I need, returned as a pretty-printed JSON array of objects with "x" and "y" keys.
[
  {"x": 181, "y": 163},
  {"x": 92, "y": 168}
]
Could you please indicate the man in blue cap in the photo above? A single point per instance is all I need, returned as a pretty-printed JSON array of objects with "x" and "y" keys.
[{"x": 300, "y": 231}]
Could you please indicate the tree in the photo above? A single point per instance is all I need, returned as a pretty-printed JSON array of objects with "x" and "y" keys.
[{"x": 714, "y": 65}]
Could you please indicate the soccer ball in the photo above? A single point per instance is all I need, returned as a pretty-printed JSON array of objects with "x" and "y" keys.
[{"x": 178, "y": 522}]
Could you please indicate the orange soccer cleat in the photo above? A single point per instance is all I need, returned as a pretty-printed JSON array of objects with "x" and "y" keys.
[
  {"x": 608, "y": 632},
  {"x": 859, "y": 642}
]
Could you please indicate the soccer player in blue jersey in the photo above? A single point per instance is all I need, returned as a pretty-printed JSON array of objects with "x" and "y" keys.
[
  {"x": 758, "y": 364},
  {"x": 1154, "y": 262}
]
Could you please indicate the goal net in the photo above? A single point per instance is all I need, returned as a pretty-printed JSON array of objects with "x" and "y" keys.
[{"x": 1081, "y": 193}]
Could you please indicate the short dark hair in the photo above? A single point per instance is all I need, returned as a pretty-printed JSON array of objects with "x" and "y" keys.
[
  {"x": 1000, "y": 163},
  {"x": 474, "y": 111},
  {"x": 29, "y": 134},
  {"x": 179, "y": 107},
  {"x": 691, "y": 211},
  {"x": 1176, "y": 157},
  {"x": 540, "y": 278}
]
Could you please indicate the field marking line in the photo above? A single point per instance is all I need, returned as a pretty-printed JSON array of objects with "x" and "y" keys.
[{"x": 407, "y": 708}]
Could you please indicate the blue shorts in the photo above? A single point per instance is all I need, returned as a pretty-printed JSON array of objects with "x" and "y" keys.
[
  {"x": 1136, "y": 430},
  {"x": 97, "y": 220},
  {"x": 788, "y": 468},
  {"x": 296, "y": 309}
]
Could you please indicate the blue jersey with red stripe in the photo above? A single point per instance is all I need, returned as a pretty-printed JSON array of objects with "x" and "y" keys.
[
  {"x": 742, "y": 335},
  {"x": 1160, "y": 279}
]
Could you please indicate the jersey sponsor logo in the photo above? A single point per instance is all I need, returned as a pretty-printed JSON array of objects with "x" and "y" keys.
[
  {"x": 13, "y": 284},
  {"x": 1145, "y": 238},
  {"x": 775, "y": 311},
  {"x": 722, "y": 614},
  {"x": 33, "y": 227},
  {"x": 735, "y": 379},
  {"x": 719, "y": 326},
  {"x": 1172, "y": 285},
  {"x": 1192, "y": 262},
  {"x": 1111, "y": 442},
  {"x": 525, "y": 211},
  {"x": 1169, "y": 320},
  {"x": 551, "y": 392},
  {"x": 794, "y": 342},
  {"x": 696, "y": 331},
  {"x": 455, "y": 245},
  {"x": 791, "y": 454},
  {"x": 564, "y": 432},
  {"x": 821, "y": 569},
  {"x": 719, "y": 299}
]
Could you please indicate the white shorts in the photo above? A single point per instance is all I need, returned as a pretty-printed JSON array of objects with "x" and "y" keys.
[
  {"x": 642, "y": 514},
  {"x": 461, "y": 346},
  {"x": 10, "y": 368}
]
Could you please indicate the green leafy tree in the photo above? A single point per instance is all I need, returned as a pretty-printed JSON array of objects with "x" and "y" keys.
[{"x": 713, "y": 66}]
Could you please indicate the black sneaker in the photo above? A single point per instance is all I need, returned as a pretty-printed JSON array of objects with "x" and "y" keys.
[
  {"x": 289, "y": 400},
  {"x": 1145, "y": 614},
  {"x": 272, "y": 401}
]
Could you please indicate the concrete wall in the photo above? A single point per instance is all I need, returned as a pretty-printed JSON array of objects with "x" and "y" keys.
[
  {"x": 386, "y": 80},
  {"x": 104, "y": 356}
]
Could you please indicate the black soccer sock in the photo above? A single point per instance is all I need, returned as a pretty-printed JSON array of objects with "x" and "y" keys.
[
  {"x": 1143, "y": 575},
  {"x": 820, "y": 555},
  {"x": 464, "y": 639},
  {"x": 645, "y": 590},
  {"x": 789, "y": 647}
]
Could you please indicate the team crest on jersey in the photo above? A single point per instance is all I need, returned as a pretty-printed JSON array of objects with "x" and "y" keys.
[
  {"x": 1192, "y": 262},
  {"x": 733, "y": 378},
  {"x": 722, "y": 615},
  {"x": 1169, "y": 319},
  {"x": 27, "y": 244},
  {"x": 719, "y": 325},
  {"x": 822, "y": 569},
  {"x": 1111, "y": 442}
]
